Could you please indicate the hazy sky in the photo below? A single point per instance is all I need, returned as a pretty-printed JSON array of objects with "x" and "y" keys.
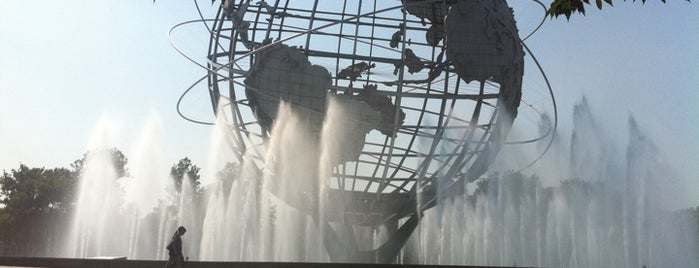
[{"x": 66, "y": 65}]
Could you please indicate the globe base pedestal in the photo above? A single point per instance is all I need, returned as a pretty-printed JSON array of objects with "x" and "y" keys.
[{"x": 386, "y": 253}]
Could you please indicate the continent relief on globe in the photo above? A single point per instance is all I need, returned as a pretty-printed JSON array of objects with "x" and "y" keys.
[{"x": 283, "y": 73}]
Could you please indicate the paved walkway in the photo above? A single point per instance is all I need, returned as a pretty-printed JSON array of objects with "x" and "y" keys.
[{"x": 124, "y": 263}]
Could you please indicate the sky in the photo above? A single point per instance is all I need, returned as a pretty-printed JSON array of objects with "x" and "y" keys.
[{"x": 67, "y": 66}]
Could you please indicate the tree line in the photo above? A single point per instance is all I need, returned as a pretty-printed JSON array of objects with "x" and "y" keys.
[{"x": 36, "y": 202}]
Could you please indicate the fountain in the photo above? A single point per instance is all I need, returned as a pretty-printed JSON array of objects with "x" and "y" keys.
[
  {"x": 585, "y": 219},
  {"x": 315, "y": 183},
  {"x": 602, "y": 216},
  {"x": 371, "y": 140},
  {"x": 112, "y": 206}
]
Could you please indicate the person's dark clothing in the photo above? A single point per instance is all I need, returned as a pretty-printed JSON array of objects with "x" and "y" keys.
[
  {"x": 175, "y": 246},
  {"x": 175, "y": 262}
]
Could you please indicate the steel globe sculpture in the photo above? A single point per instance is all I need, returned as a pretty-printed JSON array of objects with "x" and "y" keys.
[{"x": 404, "y": 102}]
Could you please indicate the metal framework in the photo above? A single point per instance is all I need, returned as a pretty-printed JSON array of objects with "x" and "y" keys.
[{"x": 451, "y": 128}]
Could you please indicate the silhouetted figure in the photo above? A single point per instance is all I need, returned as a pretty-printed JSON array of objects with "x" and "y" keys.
[{"x": 174, "y": 249}]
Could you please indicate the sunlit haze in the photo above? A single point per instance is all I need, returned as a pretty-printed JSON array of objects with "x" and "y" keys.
[{"x": 66, "y": 67}]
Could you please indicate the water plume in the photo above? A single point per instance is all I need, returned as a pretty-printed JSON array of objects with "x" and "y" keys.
[
  {"x": 98, "y": 191},
  {"x": 594, "y": 203},
  {"x": 607, "y": 211}
]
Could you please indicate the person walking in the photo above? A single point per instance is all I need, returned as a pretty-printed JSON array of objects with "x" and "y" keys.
[{"x": 174, "y": 249}]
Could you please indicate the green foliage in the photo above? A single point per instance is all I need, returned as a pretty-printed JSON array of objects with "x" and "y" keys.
[
  {"x": 185, "y": 168},
  {"x": 568, "y": 7},
  {"x": 27, "y": 190},
  {"x": 227, "y": 175},
  {"x": 33, "y": 201},
  {"x": 119, "y": 161},
  {"x": 561, "y": 7},
  {"x": 229, "y": 171},
  {"x": 35, "y": 204}
]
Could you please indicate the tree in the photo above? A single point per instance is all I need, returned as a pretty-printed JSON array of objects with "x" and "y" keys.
[
  {"x": 182, "y": 168},
  {"x": 37, "y": 189},
  {"x": 118, "y": 159},
  {"x": 568, "y": 7},
  {"x": 564, "y": 7},
  {"x": 227, "y": 174},
  {"x": 35, "y": 202}
]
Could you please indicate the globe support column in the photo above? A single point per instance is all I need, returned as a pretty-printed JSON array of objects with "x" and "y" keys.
[{"x": 386, "y": 253}]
